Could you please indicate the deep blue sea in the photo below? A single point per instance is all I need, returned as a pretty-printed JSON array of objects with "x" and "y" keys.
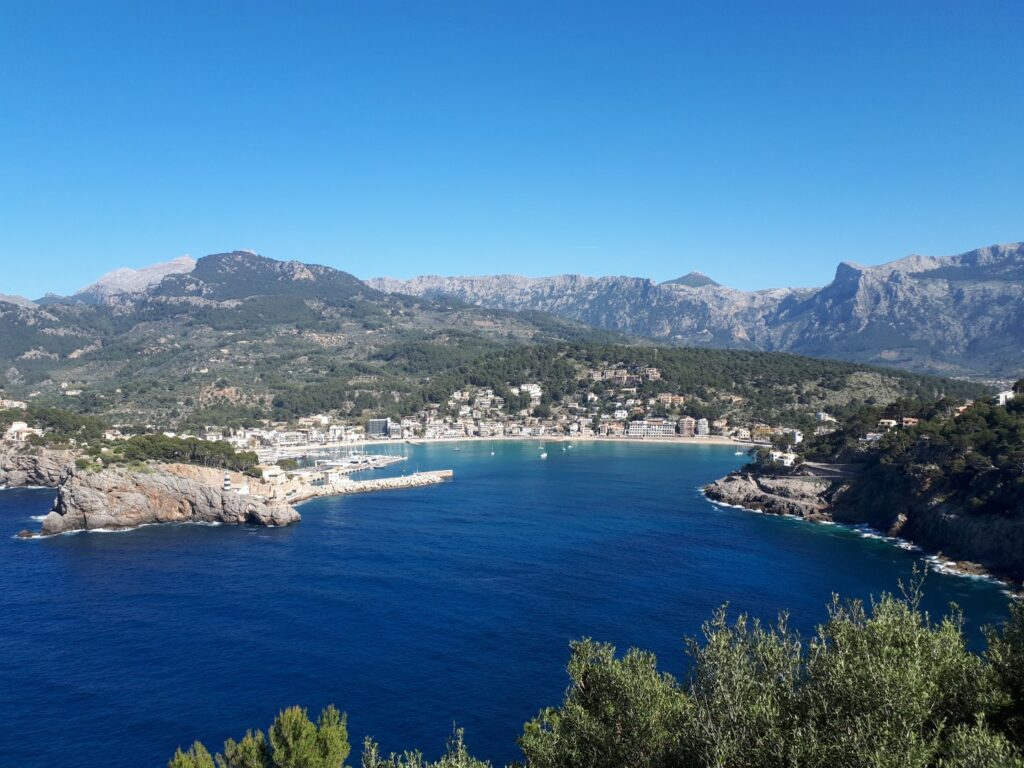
[{"x": 411, "y": 610}]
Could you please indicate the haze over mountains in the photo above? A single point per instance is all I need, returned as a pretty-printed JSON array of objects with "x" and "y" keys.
[{"x": 955, "y": 315}]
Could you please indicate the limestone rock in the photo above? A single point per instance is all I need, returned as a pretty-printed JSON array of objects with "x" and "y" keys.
[
  {"x": 118, "y": 498},
  {"x": 22, "y": 465},
  {"x": 798, "y": 496}
]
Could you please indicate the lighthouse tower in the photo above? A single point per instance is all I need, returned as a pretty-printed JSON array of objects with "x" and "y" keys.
[{"x": 227, "y": 482}]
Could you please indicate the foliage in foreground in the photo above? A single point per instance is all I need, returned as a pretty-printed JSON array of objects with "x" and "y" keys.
[{"x": 878, "y": 686}]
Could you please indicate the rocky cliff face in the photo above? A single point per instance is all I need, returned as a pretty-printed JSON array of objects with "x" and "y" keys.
[
  {"x": 967, "y": 542},
  {"x": 118, "y": 499},
  {"x": 954, "y": 315},
  {"x": 22, "y": 466}
]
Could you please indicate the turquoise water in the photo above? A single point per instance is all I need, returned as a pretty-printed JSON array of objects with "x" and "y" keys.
[{"x": 412, "y": 610}]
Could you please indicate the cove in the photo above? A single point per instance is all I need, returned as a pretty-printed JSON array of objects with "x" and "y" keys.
[{"x": 411, "y": 610}]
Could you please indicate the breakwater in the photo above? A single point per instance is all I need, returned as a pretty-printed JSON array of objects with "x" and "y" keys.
[{"x": 415, "y": 480}]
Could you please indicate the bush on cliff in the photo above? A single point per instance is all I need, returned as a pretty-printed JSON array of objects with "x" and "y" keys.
[{"x": 878, "y": 686}]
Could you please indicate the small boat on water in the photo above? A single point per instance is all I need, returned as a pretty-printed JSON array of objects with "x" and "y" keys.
[
  {"x": 544, "y": 455},
  {"x": 739, "y": 453}
]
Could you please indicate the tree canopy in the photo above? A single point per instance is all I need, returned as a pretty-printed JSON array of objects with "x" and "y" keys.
[{"x": 879, "y": 685}]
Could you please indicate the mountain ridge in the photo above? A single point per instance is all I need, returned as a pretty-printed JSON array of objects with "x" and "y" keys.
[
  {"x": 953, "y": 315},
  {"x": 128, "y": 280}
]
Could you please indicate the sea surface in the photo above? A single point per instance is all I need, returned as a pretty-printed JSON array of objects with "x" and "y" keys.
[{"x": 411, "y": 610}]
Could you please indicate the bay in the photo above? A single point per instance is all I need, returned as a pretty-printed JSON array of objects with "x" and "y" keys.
[{"x": 411, "y": 610}]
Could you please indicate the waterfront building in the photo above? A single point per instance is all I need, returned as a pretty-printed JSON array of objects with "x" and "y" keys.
[
  {"x": 378, "y": 428},
  {"x": 687, "y": 426},
  {"x": 703, "y": 428},
  {"x": 651, "y": 428}
]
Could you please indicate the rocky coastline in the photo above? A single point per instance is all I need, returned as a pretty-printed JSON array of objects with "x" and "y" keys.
[
  {"x": 24, "y": 466},
  {"x": 117, "y": 499},
  {"x": 954, "y": 542},
  {"x": 805, "y": 497}
]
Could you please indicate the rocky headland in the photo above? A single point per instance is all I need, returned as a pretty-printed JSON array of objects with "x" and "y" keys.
[
  {"x": 92, "y": 497},
  {"x": 959, "y": 541},
  {"x": 116, "y": 498},
  {"x": 805, "y": 497}
]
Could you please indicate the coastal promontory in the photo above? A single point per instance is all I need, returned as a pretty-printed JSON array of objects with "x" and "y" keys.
[{"x": 119, "y": 498}]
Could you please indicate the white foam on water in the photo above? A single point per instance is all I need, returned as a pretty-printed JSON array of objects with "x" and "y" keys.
[{"x": 935, "y": 562}]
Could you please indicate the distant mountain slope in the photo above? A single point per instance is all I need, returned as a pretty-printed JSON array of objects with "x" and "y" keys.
[
  {"x": 237, "y": 329},
  {"x": 953, "y": 315},
  {"x": 21, "y": 301},
  {"x": 127, "y": 280}
]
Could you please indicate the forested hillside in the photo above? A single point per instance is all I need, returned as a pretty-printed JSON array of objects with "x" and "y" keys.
[{"x": 243, "y": 337}]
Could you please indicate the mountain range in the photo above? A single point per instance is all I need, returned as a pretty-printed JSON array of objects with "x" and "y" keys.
[
  {"x": 254, "y": 333},
  {"x": 239, "y": 329},
  {"x": 956, "y": 315}
]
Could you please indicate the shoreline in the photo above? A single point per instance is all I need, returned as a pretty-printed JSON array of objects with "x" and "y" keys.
[
  {"x": 709, "y": 440},
  {"x": 936, "y": 562}
]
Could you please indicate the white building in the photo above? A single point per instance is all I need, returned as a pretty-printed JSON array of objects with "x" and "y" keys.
[
  {"x": 785, "y": 458},
  {"x": 20, "y": 432},
  {"x": 1004, "y": 397},
  {"x": 274, "y": 475},
  {"x": 703, "y": 428}
]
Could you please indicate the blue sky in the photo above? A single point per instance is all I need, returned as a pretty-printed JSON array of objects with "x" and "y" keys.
[{"x": 761, "y": 143}]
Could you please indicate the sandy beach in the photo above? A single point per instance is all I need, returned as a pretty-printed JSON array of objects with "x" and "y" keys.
[{"x": 709, "y": 440}]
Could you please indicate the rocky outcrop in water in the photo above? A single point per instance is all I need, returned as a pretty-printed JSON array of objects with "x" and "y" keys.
[
  {"x": 798, "y": 496},
  {"x": 119, "y": 498},
  {"x": 963, "y": 542},
  {"x": 22, "y": 465}
]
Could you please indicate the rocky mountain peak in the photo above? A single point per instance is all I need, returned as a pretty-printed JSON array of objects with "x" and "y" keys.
[
  {"x": 693, "y": 280},
  {"x": 128, "y": 281}
]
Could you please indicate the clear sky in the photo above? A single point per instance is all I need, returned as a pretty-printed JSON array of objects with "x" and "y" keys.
[{"x": 761, "y": 143}]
